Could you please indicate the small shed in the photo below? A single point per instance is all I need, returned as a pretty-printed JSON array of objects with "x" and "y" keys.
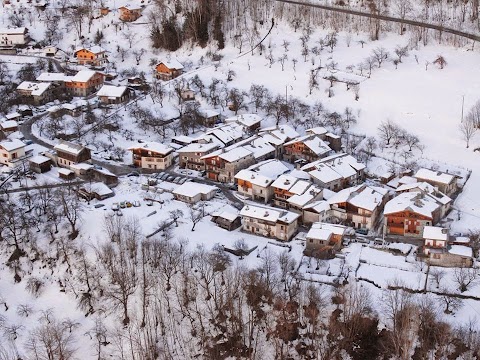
[
  {"x": 227, "y": 220},
  {"x": 40, "y": 164},
  {"x": 66, "y": 174},
  {"x": 97, "y": 190},
  {"x": 9, "y": 126}
]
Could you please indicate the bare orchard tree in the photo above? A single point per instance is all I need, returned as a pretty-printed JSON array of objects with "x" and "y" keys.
[
  {"x": 465, "y": 278},
  {"x": 237, "y": 99},
  {"x": 380, "y": 54},
  {"x": 72, "y": 208},
  {"x": 474, "y": 113},
  {"x": 388, "y": 130},
  {"x": 401, "y": 52},
  {"x": 196, "y": 214},
  {"x": 258, "y": 95},
  {"x": 440, "y": 61},
  {"x": 468, "y": 128}
]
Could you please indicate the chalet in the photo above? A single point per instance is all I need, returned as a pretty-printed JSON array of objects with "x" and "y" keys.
[
  {"x": 261, "y": 149},
  {"x": 408, "y": 213},
  {"x": 129, "y": 13},
  {"x": 11, "y": 151},
  {"x": 277, "y": 136},
  {"x": 269, "y": 222},
  {"x": 446, "y": 183},
  {"x": 333, "y": 140},
  {"x": 222, "y": 165},
  {"x": 97, "y": 190},
  {"x": 255, "y": 182},
  {"x": 69, "y": 153},
  {"x": 187, "y": 94},
  {"x": 317, "y": 211},
  {"x": 423, "y": 187},
  {"x": 336, "y": 172},
  {"x": 438, "y": 251},
  {"x": 168, "y": 70},
  {"x": 94, "y": 56},
  {"x": 250, "y": 122},
  {"x": 85, "y": 82},
  {"x": 298, "y": 202},
  {"x": 50, "y": 51},
  {"x": 285, "y": 186},
  {"x": 323, "y": 239},
  {"x": 190, "y": 156},
  {"x": 40, "y": 164},
  {"x": 306, "y": 148},
  {"x": 152, "y": 155},
  {"x": 227, "y": 220},
  {"x": 109, "y": 94},
  {"x": 13, "y": 36},
  {"x": 57, "y": 80},
  {"x": 72, "y": 109},
  {"x": 192, "y": 192},
  {"x": 104, "y": 176},
  {"x": 9, "y": 126},
  {"x": 180, "y": 141},
  {"x": 35, "y": 93},
  {"x": 358, "y": 206},
  {"x": 209, "y": 117},
  {"x": 226, "y": 134}
]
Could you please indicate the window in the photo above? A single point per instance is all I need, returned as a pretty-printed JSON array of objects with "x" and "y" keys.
[
  {"x": 281, "y": 227},
  {"x": 310, "y": 240}
]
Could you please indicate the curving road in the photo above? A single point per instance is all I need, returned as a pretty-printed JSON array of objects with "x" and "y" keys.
[{"x": 386, "y": 18}]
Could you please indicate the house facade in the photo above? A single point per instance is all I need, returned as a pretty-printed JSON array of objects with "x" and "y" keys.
[
  {"x": 69, "y": 153},
  {"x": 128, "y": 13},
  {"x": 109, "y": 94},
  {"x": 269, "y": 222},
  {"x": 409, "y": 213},
  {"x": 13, "y": 36},
  {"x": 254, "y": 185},
  {"x": 222, "y": 165},
  {"x": 190, "y": 156},
  {"x": 323, "y": 239},
  {"x": 35, "y": 93},
  {"x": 11, "y": 151},
  {"x": 168, "y": 70},
  {"x": 85, "y": 82},
  {"x": 446, "y": 183},
  {"x": 94, "y": 56},
  {"x": 192, "y": 192},
  {"x": 306, "y": 148},
  {"x": 152, "y": 155}
]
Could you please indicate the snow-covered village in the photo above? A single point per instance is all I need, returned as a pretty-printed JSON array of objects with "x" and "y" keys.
[{"x": 239, "y": 179}]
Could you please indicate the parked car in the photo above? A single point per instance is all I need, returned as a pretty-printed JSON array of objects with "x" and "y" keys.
[
  {"x": 170, "y": 178},
  {"x": 362, "y": 231},
  {"x": 115, "y": 207},
  {"x": 149, "y": 202},
  {"x": 136, "y": 203},
  {"x": 123, "y": 205},
  {"x": 96, "y": 206},
  {"x": 28, "y": 142},
  {"x": 128, "y": 204}
]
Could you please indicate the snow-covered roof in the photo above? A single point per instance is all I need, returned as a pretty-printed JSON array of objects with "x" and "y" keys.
[
  {"x": 183, "y": 139},
  {"x": 318, "y": 206},
  {"x": 227, "y": 133},
  {"x": 396, "y": 182},
  {"x": 172, "y": 64},
  {"x": 284, "y": 182},
  {"x": 48, "y": 77},
  {"x": 416, "y": 202},
  {"x": 14, "y": 115},
  {"x": 435, "y": 233},
  {"x": 254, "y": 177},
  {"x": 154, "y": 147},
  {"x": 301, "y": 200},
  {"x": 325, "y": 174},
  {"x": 94, "y": 49},
  {"x": 69, "y": 147},
  {"x": 319, "y": 130},
  {"x": 227, "y": 215},
  {"x": 12, "y": 144},
  {"x": 344, "y": 164},
  {"x": 272, "y": 139},
  {"x": 427, "y": 188},
  {"x": 461, "y": 250},
  {"x": 192, "y": 189},
  {"x": 245, "y": 119},
  {"x": 64, "y": 171},
  {"x": 38, "y": 159},
  {"x": 83, "y": 76},
  {"x": 314, "y": 143},
  {"x": 279, "y": 134},
  {"x": 8, "y": 124},
  {"x": 97, "y": 188},
  {"x": 272, "y": 168},
  {"x": 300, "y": 187},
  {"x": 37, "y": 89},
  {"x": 13, "y": 31},
  {"x": 270, "y": 214},
  {"x": 208, "y": 113},
  {"x": 259, "y": 147},
  {"x": 198, "y": 147},
  {"x": 361, "y": 196},
  {"x": 235, "y": 154},
  {"x": 434, "y": 176},
  {"x": 112, "y": 91},
  {"x": 323, "y": 231},
  {"x": 130, "y": 7},
  {"x": 69, "y": 106},
  {"x": 81, "y": 166}
]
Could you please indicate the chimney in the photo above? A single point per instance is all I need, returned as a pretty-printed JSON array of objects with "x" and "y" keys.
[
  {"x": 444, "y": 231},
  {"x": 266, "y": 214},
  {"x": 287, "y": 182},
  {"x": 252, "y": 177}
]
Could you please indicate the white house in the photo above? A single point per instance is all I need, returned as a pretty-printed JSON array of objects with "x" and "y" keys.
[
  {"x": 152, "y": 155},
  {"x": 10, "y": 150},
  {"x": 192, "y": 192},
  {"x": 13, "y": 36}
]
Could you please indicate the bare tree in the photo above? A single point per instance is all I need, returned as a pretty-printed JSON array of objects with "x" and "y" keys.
[
  {"x": 465, "y": 278},
  {"x": 380, "y": 54},
  {"x": 440, "y": 61},
  {"x": 401, "y": 52},
  {"x": 468, "y": 128},
  {"x": 388, "y": 130}
]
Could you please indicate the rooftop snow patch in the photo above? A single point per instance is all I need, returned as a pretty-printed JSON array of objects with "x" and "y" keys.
[{"x": 112, "y": 91}]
